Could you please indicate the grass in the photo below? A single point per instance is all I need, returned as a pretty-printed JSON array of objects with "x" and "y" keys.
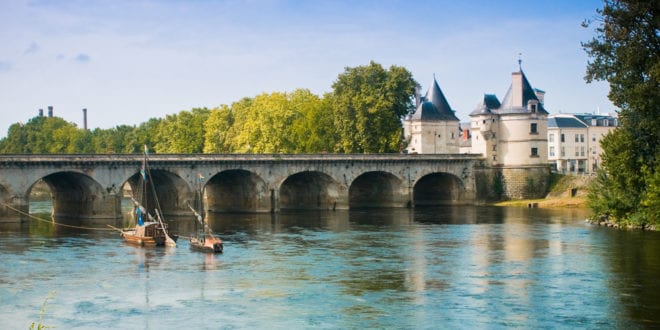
[{"x": 40, "y": 325}]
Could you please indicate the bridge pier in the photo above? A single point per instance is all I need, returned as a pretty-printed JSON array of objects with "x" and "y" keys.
[{"x": 13, "y": 208}]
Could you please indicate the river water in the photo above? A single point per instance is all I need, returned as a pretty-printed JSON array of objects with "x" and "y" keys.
[{"x": 451, "y": 267}]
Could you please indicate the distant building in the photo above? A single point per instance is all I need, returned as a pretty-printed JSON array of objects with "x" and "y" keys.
[
  {"x": 512, "y": 132},
  {"x": 433, "y": 127},
  {"x": 574, "y": 141}
]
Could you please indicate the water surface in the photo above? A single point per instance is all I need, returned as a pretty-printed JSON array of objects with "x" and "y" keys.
[{"x": 454, "y": 267}]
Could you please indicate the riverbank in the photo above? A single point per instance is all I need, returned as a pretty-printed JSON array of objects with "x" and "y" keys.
[{"x": 565, "y": 191}]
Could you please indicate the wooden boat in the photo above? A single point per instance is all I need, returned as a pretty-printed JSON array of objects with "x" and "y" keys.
[
  {"x": 153, "y": 231},
  {"x": 205, "y": 240}
]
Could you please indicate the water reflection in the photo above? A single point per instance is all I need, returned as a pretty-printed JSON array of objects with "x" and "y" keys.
[{"x": 453, "y": 267}]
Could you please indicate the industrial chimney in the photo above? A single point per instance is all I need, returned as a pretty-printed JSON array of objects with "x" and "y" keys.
[
  {"x": 50, "y": 111},
  {"x": 85, "y": 118}
]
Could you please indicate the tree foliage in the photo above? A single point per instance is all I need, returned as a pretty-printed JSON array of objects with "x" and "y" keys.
[
  {"x": 369, "y": 103},
  {"x": 626, "y": 53}
]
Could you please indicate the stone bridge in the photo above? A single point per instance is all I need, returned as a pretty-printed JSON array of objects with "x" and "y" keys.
[{"x": 94, "y": 185}]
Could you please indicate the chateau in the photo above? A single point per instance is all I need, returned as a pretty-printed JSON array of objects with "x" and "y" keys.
[{"x": 510, "y": 134}]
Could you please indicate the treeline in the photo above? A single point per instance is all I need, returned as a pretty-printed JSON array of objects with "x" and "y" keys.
[{"x": 362, "y": 114}]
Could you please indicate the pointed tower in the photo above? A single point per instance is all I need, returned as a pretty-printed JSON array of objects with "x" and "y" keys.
[
  {"x": 513, "y": 132},
  {"x": 433, "y": 128}
]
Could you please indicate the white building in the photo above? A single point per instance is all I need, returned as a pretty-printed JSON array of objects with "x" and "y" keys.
[
  {"x": 513, "y": 132},
  {"x": 433, "y": 128},
  {"x": 574, "y": 141}
]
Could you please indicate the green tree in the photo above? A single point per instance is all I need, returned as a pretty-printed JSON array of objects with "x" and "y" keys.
[
  {"x": 368, "y": 103},
  {"x": 625, "y": 52},
  {"x": 15, "y": 141},
  {"x": 314, "y": 130},
  {"x": 182, "y": 132},
  {"x": 217, "y": 130}
]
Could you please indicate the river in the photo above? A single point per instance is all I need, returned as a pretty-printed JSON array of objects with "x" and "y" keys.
[{"x": 450, "y": 267}]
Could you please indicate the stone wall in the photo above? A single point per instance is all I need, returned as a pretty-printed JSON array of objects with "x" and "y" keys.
[{"x": 502, "y": 183}]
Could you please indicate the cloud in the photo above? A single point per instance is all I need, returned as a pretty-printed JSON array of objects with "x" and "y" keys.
[
  {"x": 82, "y": 58},
  {"x": 5, "y": 66},
  {"x": 32, "y": 49}
]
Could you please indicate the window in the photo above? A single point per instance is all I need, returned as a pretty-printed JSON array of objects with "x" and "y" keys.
[
  {"x": 582, "y": 138},
  {"x": 562, "y": 138},
  {"x": 593, "y": 137},
  {"x": 577, "y": 137},
  {"x": 577, "y": 151},
  {"x": 551, "y": 138},
  {"x": 552, "y": 151},
  {"x": 535, "y": 152},
  {"x": 563, "y": 151},
  {"x": 533, "y": 129},
  {"x": 582, "y": 151}
]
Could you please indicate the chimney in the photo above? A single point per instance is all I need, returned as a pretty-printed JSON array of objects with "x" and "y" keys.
[
  {"x": 50, "y": 111},
  {"x": 85, "y": 118},
  {"x": 41, "y": 112},
  {"x": 539, "y": 95},
  {"x": 517, "y": 89}
]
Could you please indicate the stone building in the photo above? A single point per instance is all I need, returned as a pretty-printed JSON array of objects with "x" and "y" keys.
[
  {"x": 574, "y": 141},
  {"x": 433, "y": 128},
  {"x": 512, "y": 137}
]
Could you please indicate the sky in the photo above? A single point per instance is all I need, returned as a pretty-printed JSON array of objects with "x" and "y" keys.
[{"x": 129, "y": 61}]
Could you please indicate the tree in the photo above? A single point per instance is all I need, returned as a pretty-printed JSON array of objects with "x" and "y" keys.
[
  {"x": 182, "y": 132},
  {"x": 217, "y": 129},
  {"x": 314, "y": 130},
  {"x": 369, "y": 103},
  {"x": 626, "y": 53}
]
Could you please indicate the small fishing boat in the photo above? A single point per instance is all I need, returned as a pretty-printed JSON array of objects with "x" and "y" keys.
[
  {"x": 204, "y": 241},
  {"x": 150, "y": 230}
]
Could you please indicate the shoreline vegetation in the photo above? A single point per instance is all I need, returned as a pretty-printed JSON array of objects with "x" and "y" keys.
[{"x": 570, "y": 191}]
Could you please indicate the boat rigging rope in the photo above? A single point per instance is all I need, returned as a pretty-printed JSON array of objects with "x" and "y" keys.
[{"x": 52, "y": 222}]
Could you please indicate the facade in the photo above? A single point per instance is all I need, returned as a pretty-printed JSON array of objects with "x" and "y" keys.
[
  {"x": 574, "y": 141},
  {"x": 433, "y": 128},
  {"x": 513, "y": 132}
]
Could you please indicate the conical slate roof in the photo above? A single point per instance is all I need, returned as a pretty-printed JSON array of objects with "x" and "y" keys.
[
  {"x": 491, "y": 104},
  {"x": 527, "y": 95},
  {"x": 434, "y": 106}
]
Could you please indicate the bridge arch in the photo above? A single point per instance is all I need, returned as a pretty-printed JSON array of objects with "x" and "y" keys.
[
  {"x": 172, "y": 191},
  {"x": 76, "y": 195},
  {"x": 236, "y": 191},
  {"x": 376, "y": 189},
  {"x": 309, "y": 190},
  {"x": 438, "y": 189}
]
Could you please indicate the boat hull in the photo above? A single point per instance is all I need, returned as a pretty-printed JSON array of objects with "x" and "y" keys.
[
  {"x": 209, "y": 245},
  {"x": 151, "y": 234}
]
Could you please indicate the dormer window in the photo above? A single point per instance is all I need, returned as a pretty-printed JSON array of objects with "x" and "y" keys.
[{"x": 533, "y": 106}]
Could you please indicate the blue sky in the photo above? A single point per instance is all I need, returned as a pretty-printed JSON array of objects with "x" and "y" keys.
[{"x": 128, "y": 61}]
